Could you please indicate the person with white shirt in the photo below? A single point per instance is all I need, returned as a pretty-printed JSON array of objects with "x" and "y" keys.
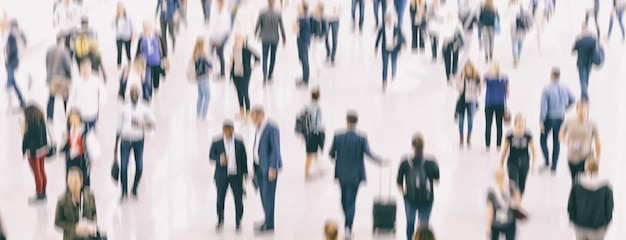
[
  {"x": 390, "y": 39},
  {"x": 86, "y": 95},
  {"x": 435, "y": 19},
  {"x": 134, "y": 119},
  {"x": 451, "y": 34},
  {"x": 66, "y": 19},
  {"x": 332, "y": 13},
  {"x": 231, "y": 168},
  {"x": 245, "y": 19},
  {"x": 220, "y": 26},
  {"x": 134, "y": 76}
]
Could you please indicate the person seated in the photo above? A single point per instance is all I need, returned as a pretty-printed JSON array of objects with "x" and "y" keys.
[{"x": 76, "y": 209}]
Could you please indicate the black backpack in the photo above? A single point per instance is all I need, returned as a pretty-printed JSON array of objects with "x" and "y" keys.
[
  {"x": 418, "y": 187},
  {"x": 303, "y": 122},
  {"x": 523, "y": 21}
]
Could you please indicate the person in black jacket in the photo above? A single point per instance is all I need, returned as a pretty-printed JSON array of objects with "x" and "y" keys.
[
  {"x": 585, "y": 47},
  {"x": 418, "y": 12},
  {"x": 391, "y": 39},
  {"x": 12, "y": 59},
  {"x": 35, "y": 147},
  {"x": 231, "y": 168},
  {"x": 590, "y": 205},
  {"x": 241, "y": 71},
  {"x": 303, "y": 31}
]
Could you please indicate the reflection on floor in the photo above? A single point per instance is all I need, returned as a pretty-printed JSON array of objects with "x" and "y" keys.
[{"x": 177, "y": 196}]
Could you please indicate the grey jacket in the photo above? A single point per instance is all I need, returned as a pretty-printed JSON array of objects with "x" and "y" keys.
[
  {"x": 267, "y": 26},
  {"x": 58, "y": 63}
]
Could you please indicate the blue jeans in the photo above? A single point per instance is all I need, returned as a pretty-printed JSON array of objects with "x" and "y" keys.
[
  {"x": 583, "y": 74},
  {"x": 267, "y": 49},
  {"x": 423, "y": 216},
  {"x": 348, "y": 202},
  {"x": 125, "y": 147},
  {"x": 516, "y": 45},
  {"x": 400, "y": 6},
  {"x": 553, "y": 125},
  {"x": 11, "y": 82},
  {"x": 204, "y": 95},
  {"x": 619, "y": 14},
  {"x": 361, "y": 10},
  {"x": 334, "y": 30},
  {"x": 376, "y": 4},
  {"x": 469, "y": 110},
  {"x": 394, "y": 65},
  {"x": 303, "y": 55}
]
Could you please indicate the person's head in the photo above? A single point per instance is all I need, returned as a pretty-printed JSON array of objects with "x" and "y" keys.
[
  {"x": 33, "y": 115},
  {"x": 270, "y": 3},
  {"x": 424, "y": 233},
  {"x": 13, "y": 25},
  {"x": 66, "y": 2},
  {"x": 198, "y": 49},
  {"x": 319, "y": 9},
  {"x": 520, "y": 123},
  {"x": 489, "y": 4},
  {"x": 582, "y": 109},
  {"x": 303, "y": 8},
  {"x": 228, "y": 128},
  {"x": 85, "y": 68},
  {"x": 315, "y": 94},
  {"x": 134, "y": 95},
  {"x": 331, "y": 230},
  {"x": 258, "y": 115},
  {"x": 555, "y": 75},
  {"x": 495, "y": 68},
  {"x": 352, "y": 118},
  {"x": 470, "y": 70},
  {"x": 417, "y": 143},
  {"x": 121, "y": 10},
  {"x": 74, "y": 120},
  {"x": 74, "y": 179},
  {"x": 591, "y": 166}
]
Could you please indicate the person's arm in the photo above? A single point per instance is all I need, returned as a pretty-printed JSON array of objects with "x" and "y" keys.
[
  {"x": 214, "y": 154},
  {"x": 102, "y": 71},
  {"x": 12, "y": 45},
  {"x": 60, "y": 220},
  {"x": 563, "y": 131},
  {"x": 489, "y": 217},
  {"x": 67, "y": 63},
  {"x": 379, "y": 37},
  {"x": 150, "y": 119},
  {"x": 282, "y": 30},
  {"x": 435, "y": 175},
  {"x": 254, "y": 55},
  {"x": 158, "y": 8},
  {"x": 400, "y": 178},
  {"x": 596, "y": 139},
  {"x": 505, "y": 151},
  {"x": 138, "y": 53},
  {"x": 571, "y": 204},
  {"x": 575, "y": 47},
  {"x": 275, "y": 146},
  {"x": 120, "y": 125},
  {"x": 544, "y": 109},
  {"x": 333, "y": 148},
  {"x": 163, "y": 47},
  {"x": 368, "y": 152},
  {"x": 245, "y": 160},
  {"x": 259, "y": 22},
  {"x": 571, "y": 100},
  {"x": 533, "y": 154}
]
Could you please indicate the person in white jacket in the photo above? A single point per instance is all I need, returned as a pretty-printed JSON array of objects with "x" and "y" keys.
[
  {"x": 435, "y": 19},
  {"x": 451, "y": 34},
  {"x": 220, "y": 26},
  {"x": 86, "y": 95},
  {"x": 67, "y": 16}
]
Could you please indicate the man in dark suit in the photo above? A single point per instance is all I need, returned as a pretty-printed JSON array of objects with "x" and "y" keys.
[
  {"x": 267, "y": 163},
  {"x": 585, "y": 47},
  {"x": 231, "y": 168},
  {"x": 349, "y": 149}
]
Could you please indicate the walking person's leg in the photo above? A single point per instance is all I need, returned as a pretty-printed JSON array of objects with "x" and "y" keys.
[
  {"x": 220, "y": 54},
  {"x": 206, "y": 89},
  {"x": 410, "y": 211},
  {"x": 163, "y": 25},
  {"x": 385, "y": 58},
  {"x": 543, "y": 140},
  {"x": 138, "y": 151},
  {"x": 236, "y": 185},
  {"x": 125, "y": 147},
  {"x": 246, "y": 95},
  {"x": 489, "y": 112},
  {"x": 334, "y": 27},
  {"x": 266, "y": 50},
  {"x": 199, "y": 100},
  {"x": 394, "y": 64},
  {"x": 118, "y": 44},
  {"x": 273, "y": 48},
  {"x": 127, "y": 44},
  {"x": 556, "y": 128},
  {"x": 447, "y": 60},
  {"x": 34, "y": 166},
  {"x": 221, "y": 187},
  {"x": 499, "y": 111}
]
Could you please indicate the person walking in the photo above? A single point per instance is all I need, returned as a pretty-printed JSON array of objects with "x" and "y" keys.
[
  {"x": 267, "y": 29},
  {"x": 95, "y": 57},
  {"x": 390, "y": 41},
  {"x": 555, "y": 100},
  {"x": 617, "y": 13},
  {"x": 418, "y": 194},
  {"x": 313, "y": 135},
  {"x": 78, "y": 147},
  {"x": 302, "y": 28},
  {"x": 469, "y": 20},
  {"x": 585, "y": 47},
  {"x": 520, "y": 25},
  {"x": 219, "y": 33},
  {"x": 133, "y": 120},
  {"x": 319, "y": 29},
  {"x": 496, "y": 95},
  {"x": 593, "y": 9},
  {"x": 76, "y": 213},
  {"x": 488, "y": 19},
  {"x": 231, "y": 169},
  {"x": 361, "y": 16},
  {"x": 516, "y": 146},
  {"x": 83, "y": 40},
  {"x": 578, "y": 133},
  {"x": 124, "y": 33},
  {"x": 66, "y": 18},
  {"x": 451, "y": 35},
  {"x": 150, "y": 46},
  {"x": 267, "y": 163},
  {"x": 35, "y": 145},
  {"x": 12, "y": 61},
  {"x": 202, "y": 66},
  {"x": 348, "y": 150},
  {"x": 469, "y": 89},
  {"x": 206, "y": 10},
  {"x": 134, "y": 76},
  {"x": 86, "y": 96},
  {"x": 418, "y": 11},
  {"x": 502, "y": 199},
  {"x": 332, "y": 13},
  {"x": 168, "y": 13},
  {"x": 435, "y": 20},
  {"x": 378, "y": 5},
  {"x": 591, "y": 204},
  {"x": 58, "y": 75},
  {"x": 241, "y": 71}
]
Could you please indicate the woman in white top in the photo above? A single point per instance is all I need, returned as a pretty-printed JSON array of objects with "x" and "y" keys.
[
  {"x": 435, "y": 19},
  {"x": 469, "y": 90},
  {"x": 451, "y": 34},
  {"x": 86, "y": 96},
  {"x": 67, "y": 17},
  {"x": 124, "y": 33},
  {"x": 220, "y": 26}
]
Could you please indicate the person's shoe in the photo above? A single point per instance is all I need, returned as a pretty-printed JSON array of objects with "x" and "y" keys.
[
  {"x": 219, "y": 227},
  {"x": 259, "y": 224},
  {"x": 515, "y": 63},
  {"x": 348, "y": 234},
  {"x": 264, "y": 229},
  {"x": 134, "y": 192},
  {"x": 461, "y": 140},
  {"x": 553, "y": 172},
  {"x": 238, "y": 227},
  {"x": 124, "y": 197},
  {"x": 384, "y": 87},
  {"x": 469, "y": 142},
  {"x": 545, "y": 168},
  {"x": 37, "y": 200},
  {"x": 301, "y": 84}
]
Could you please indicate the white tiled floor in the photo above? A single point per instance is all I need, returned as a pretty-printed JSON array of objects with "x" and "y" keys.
[{"x": 177, "y": 196}]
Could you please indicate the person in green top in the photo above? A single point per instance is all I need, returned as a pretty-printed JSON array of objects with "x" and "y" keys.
[{"x": 76, "y": 209}]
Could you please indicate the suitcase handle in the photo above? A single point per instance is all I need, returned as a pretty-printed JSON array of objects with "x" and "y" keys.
[{"x": 380, "y": 182}]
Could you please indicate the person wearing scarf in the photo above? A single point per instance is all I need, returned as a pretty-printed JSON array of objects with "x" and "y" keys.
[{"x": 241, "y": 71}]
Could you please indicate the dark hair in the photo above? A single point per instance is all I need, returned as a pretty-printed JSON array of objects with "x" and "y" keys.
[
  {"x": 556, "y": 73},
  {"x": 305, "y": 7},
  {"x": 352, "y": 117},
  {"x": 418, "y": 142},
  {"x": 33, "y": 116},
  {"x": 315, "y": 94},
  {"x": 424, "y": 233},
  {"x": 330, "y": 230}
]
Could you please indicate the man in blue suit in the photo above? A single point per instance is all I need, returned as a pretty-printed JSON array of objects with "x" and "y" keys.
[
  {"x": 168, "y": 10},
  {"x": 231, "y": 168},
  {"x": 267, "y": 163},
  {"x": 349, "y": 149},
  {"x": 585, "y": 48}
]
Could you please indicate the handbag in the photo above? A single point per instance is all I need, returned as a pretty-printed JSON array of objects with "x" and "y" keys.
[
  {"x": 52, "y": 147},
  {"x": 496, "y": 25},
  {"x": 598, "y": 55},
  {"x": 520, "y": 215},
  {"x": 115, "y": 170},
  {"x": 506, "y": 118}
]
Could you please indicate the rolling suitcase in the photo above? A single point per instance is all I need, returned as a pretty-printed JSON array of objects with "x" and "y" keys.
[{"x": 384, "y": 210}]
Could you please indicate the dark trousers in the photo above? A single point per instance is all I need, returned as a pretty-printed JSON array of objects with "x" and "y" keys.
[
  {"x": 50, "y": 107},
  {"x": 126, "y": 45},
  {"x": 451, "y": 59},
  {"x": 125, "y": 148},
  {"x": 508, "y": 232},
  {"x": 332, "y": 51},
  {"x": 206, "y": 9},
  {"x": 423, "y": 213},
  {"x": 518, "y": 172},
  {"x": 394, "y": 63},
  {"x": 236, "y": 185},
  {"x": 583, "y": 75},
  {"x": 155, "y": 75},
  {"x": 433, "y": 44},
  {"x": 303, "y": 55},
  {"x": 242, "y": 84},
  {"x": 348, "y": 202},
  {"x": 12, "y": 84},
  {"x": 554, "y": 126},
  {"x": 576, "y": 169},
  {"x": 68, "y": 41},
  {"x": 269, "y": 48},
  {"x": 219, "y": 49},
  {"x": 168, "y": 27},
  {"x": 361, "y": 10},
  {"x": 267, "y": 190},
  {"x": 400, "y": 7},
  {"x": 417, "y": 33},
  {"x": 490, "y": 111}
]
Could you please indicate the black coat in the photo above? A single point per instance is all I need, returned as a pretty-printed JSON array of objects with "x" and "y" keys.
[
  {"x": 590, "y": 203},
  {"x": 247, "y": 55},
  {"x": 221, "y": 172}
]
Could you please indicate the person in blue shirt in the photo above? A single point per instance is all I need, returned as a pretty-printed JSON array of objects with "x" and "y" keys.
[
  {"x": 303, "y": 31},
  {"x": 555, "y": 100},
  {"x": 168, "y": 11},
  {"x": 12, "y": 59},
  {"x": 585, "y": 48}
]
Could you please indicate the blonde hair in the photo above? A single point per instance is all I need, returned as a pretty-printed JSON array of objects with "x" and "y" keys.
[
  {"x": 330, "y": 230},
  {"x": 591, "y": 165},
  {"x": 473, "y": 73},
  {"x": 198, "y": 49}
]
